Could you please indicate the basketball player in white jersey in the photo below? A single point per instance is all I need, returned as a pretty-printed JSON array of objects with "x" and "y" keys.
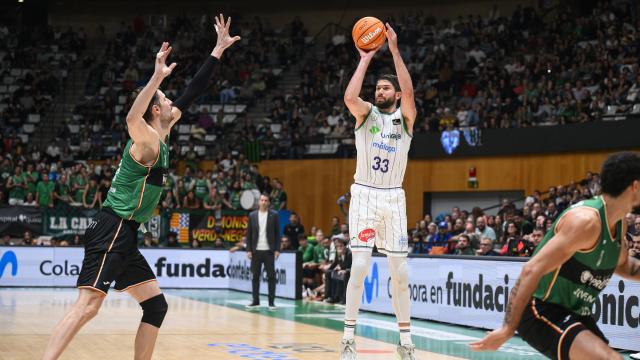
[{"x": 377, "y": 211}]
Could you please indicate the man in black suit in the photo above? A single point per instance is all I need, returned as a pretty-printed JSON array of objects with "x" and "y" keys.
[{"x": 263, "y": 244}]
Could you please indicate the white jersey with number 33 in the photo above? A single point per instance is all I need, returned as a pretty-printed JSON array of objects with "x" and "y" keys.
[{"x": 382, "y": 144}]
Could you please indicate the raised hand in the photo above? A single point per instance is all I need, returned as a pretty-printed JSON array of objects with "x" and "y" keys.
[
  {"x": 392, "y": 38},
  {"x": 224, "y": 39},
  {"x": 367, "y": 55},
  {"x": 161, "y": 68}
]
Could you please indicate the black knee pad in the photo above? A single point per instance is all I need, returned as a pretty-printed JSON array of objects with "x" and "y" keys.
[{"x": 154, "y": 310}]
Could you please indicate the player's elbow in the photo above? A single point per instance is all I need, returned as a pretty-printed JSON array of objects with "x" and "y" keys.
[
  {"x": 350, "y": 99},
  {"x": 531, "y": 271}
]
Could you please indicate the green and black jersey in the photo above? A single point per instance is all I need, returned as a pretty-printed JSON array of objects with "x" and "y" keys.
[
  {"x": 575, "y": 285},
  {"x": 136, "y": 189}
]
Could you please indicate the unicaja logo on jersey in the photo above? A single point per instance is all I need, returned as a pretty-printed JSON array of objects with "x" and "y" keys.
[
  {"x": 369, "y": 284},
  {"x": 374, "y": 130},
  {"x": 9, "y": 257},
  {"x": 391, "y": 136}
]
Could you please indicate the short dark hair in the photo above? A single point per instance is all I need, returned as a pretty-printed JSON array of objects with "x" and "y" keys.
[
  {"x": 392, "y": 79},
  {"x": 155, "y": 100},
  {"x": 539, "y": 228},
  {"x": 619, "y": 171}
]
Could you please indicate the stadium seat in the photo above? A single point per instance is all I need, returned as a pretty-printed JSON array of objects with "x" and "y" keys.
[
  {"x": 184, "y": 129},
  {"x": 74, "y": 128},
  {"x": 227, "y": 119},
  {"x": 313, "y": 149},
  {"x": 28, "y": 128},
  {"x": 210, "y": 138},
  {"x": 34, "y": 118},
  {"x": 275, "y": 128}
]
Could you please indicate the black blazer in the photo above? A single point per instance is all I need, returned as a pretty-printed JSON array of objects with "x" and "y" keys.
[{"x": 273, "y": 231}]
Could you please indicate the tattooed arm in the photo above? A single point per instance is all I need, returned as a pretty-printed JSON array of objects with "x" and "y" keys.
[{"x": 579, "y": 229}]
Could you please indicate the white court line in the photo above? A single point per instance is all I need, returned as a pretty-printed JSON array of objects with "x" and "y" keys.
[
  {"x": 433, "y": 334},
  {"x": 247, "y": 302}
]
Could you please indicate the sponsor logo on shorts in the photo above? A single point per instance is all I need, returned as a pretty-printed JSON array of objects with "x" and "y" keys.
[
  {"x": 366, "y": 234},
  {"x": 404, "y": 241}
]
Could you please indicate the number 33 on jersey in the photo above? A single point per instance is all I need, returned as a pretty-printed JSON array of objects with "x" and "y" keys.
[{"x": 382, "y": 143}]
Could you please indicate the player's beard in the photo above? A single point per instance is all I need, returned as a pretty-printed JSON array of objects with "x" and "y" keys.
[
  {"x": 385, "y": 103},
  {"x": 636, "y": 210}
]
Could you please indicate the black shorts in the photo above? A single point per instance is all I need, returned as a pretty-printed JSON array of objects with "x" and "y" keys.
[
  {"x": 111, "y": 254},
  {"x": 551, "y": 329}
]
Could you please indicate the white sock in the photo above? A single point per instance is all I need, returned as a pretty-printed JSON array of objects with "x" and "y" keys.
[
  {"x": 349, "y": 329},
  {"x": 405, "y": 335}
]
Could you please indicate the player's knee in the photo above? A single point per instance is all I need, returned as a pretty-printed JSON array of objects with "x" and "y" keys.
[
  {"x": 87, "y": 308},
  {"x": 90, "y": 310},
  {"x": 154, "y": 310},
  {"x": 359, "y": 269}
]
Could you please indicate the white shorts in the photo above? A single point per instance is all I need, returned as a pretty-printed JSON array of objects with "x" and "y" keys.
[{"x": 378, "y": 216}]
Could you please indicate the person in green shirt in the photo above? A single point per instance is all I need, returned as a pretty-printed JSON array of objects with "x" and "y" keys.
[
  {"x": 551, "y": 304},
  {"x": 309, "y": 268},
  {"x": 78, "y": 185},
  {"x": 234, "y": 196},
  {"x": 111, "y": 252},
  {"x": 180, "y": 192},
  {"x": 464, "y": 246},
  {"x": 278, "y": 196},
  {"x": 91, "y": 195},
  {"x": 335, "y": 226},
  {"x": 201, "y": 186},
  {"x": 44, "y": 192},
  {"x": 62, "y": 190},
  {"x": 17, "y": 186},
  {"x": 33, "y": 177},
  {"x": 214, "y": 202},
  {"x": 248, "y": 184}
]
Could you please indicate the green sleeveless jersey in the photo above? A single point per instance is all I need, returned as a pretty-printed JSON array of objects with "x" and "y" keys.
[
  {"x": 201, "y": 188},
  {"x": 136, "y": 189},
  {"x": 80, "y": 181},
  {"x": 575, "y": 285},
  {"x": 91, "y": 193}
]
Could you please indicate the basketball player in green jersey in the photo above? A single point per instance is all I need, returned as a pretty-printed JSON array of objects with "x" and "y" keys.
[
  {"x": 111, "y": 252},
  {"x": 550, "y": 304}
]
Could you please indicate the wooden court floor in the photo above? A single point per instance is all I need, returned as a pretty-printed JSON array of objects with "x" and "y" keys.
[
  {"x": 213, "y": 324},
  {"x": 192, "y": 330}
]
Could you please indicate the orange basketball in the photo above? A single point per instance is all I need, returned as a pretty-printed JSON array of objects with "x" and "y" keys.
[{"x": 368, "y": 33}]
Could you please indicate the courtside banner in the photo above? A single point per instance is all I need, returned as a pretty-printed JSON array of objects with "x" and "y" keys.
[
  {"x": 240, "y": 274},
  {"x": 475, "y": 293},
  {"x": 174, "y": 268}
]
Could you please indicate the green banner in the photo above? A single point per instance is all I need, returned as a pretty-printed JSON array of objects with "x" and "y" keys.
[{"x": 67, "y": 220}]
